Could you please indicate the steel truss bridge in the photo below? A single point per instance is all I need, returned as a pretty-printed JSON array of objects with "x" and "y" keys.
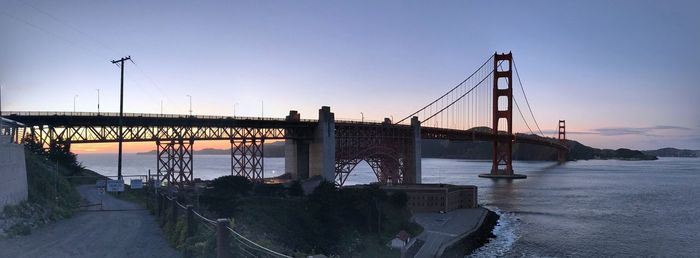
[{"x": 480, "y": 108}]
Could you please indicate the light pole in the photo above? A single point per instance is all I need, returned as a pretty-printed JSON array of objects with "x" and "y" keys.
[
  {"x": 190, "y": 104},
  {"x": 392, "y": 118},
  {"x": 161, "y": 107},
  {"x": 234, "y": 109},
  {"x": 363, "y": 116},
  {"x": 1, "y": 121},
  {"x": 74, "y": 97},
  {"x": 98, "y": 101},
  {"x": 262, "y": 108}
]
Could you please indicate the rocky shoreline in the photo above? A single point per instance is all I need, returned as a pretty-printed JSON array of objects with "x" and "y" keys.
[{"x": 475, "y": 239}]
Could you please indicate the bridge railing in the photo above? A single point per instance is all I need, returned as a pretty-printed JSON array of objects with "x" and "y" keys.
[
  {"x": 217, "y": 236},
  {"x": 114, "y": 114}
]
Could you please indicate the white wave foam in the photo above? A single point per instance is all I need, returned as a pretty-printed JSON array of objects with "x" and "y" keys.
[{"x": 506, "y": 236}]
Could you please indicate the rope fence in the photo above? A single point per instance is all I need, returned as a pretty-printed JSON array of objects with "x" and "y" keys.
[{"x": 176, "y": 217}]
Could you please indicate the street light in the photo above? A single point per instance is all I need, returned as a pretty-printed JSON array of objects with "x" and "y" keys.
[
  {"x": 190, "y": 104},
  {"x": 74, "y": 97},
  {"x": 98, "y": 101},
  {"x": 234, "y": 109},
  {"x": 363, "y": 116},
  {"x": 392, "y": 118}
]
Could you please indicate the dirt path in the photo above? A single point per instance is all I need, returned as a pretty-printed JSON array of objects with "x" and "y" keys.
[{"x": 129, "y": 233}]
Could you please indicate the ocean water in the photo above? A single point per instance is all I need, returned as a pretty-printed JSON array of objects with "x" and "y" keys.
[{"x": 585, "y": 208}]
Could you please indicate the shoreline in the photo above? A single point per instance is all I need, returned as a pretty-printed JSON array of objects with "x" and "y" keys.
[
  {"x": 454, "y": 234},
  {"x": 471, "y": 241}
]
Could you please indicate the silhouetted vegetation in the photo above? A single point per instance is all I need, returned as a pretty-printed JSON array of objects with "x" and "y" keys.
[
  {"x": 50, "y": 196},
  {"x": 347, "y": 221},
  {"x": 399, "y": 199},
  {"x": 295, "y": 188},
  {"x": 222, "y": 194},
  {"x": 56, "y": 153}
]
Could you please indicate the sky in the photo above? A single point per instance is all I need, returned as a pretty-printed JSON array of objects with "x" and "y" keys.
[{"x": 621, "y": 73}]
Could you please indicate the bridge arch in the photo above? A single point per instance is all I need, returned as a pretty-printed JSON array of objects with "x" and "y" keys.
[{"x": 386, "y": 162}]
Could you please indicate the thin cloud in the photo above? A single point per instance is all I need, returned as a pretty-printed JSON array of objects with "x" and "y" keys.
[
  {"x": 620, "y": 131},
  {"x": 643, "y": 131}
]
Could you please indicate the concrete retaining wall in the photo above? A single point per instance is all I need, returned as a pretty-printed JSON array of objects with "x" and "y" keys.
[{"x": 13, "y": 171}]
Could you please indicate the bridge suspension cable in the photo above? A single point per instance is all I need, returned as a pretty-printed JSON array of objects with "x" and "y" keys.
[
  {"x": 440, "y": 104},
  {"x": 526, "y": 100}
]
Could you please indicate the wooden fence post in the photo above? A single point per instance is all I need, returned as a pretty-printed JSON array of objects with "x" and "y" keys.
[
  {"x": 173, "y": 203},
  {"x": 222, "y": 234},
  {"x": 159, "y": 201},
  {"x": 190, "y": 220}
]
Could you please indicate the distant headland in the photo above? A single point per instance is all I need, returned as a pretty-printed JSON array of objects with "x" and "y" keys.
[{"x": 481, "y": 150}]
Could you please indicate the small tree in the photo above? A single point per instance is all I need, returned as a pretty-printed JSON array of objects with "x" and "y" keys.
[
  {"x": 295, "y": 189},
  {"x": 222, "y": 194},
  {"x": 399, "y": 199}
]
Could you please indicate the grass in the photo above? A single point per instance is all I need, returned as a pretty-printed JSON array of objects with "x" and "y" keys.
[{"x": 50, "y": 196}]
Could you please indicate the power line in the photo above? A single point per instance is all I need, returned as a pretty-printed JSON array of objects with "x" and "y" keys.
[{"x": 27, "y": 3}]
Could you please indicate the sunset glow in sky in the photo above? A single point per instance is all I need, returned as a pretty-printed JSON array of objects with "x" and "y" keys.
[{"x": 622, "y": 73}]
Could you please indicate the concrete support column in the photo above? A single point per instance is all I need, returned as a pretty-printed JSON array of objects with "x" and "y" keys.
[
  {"x": 296, "y": 158},
  {"x": 296, "y": 152},
  {"x": 413, "y": 173},
  {"x": 322, "y": 148}
]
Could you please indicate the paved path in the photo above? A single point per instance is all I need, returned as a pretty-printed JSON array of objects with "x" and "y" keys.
[
  {"x": 441, "y": 228},
  {"x": 104, "y": 234}
]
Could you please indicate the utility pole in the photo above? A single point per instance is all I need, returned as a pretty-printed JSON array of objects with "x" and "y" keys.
[
  {"x": 161, "y": 107},
  {"x": 363, "y": 116},
  {"x": 262, "y": 108},
  {"x": 121, "y": 114},
  {"x": 234, "y": 109}
]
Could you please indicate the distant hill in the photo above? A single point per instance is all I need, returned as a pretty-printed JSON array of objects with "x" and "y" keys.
[
  {"x": 483, "y": 150},
  {"x": 272, "y": 150},
  {"x": 478, "y": 150},
  {"x": 673, "y": 152}
]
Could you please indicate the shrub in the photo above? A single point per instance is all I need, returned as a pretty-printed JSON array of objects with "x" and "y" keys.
[
  {"x": 399, "y": 199},
  {"x": 295, "y": 189},
  {"x": 222, "y": 194}
]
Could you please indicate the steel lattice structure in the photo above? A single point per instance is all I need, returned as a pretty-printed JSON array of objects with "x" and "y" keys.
[
  {"x": 247, "y": 158},
  {"x": 175, "y": 161},
  {"x": 384, "y": 147}
]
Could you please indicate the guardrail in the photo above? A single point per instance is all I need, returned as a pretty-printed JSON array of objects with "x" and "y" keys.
[
  {"x": 150, "y": 115},
  {"x": 229, "y": 242}
]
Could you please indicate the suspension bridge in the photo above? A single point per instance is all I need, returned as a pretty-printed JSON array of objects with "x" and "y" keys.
[{"x": 479, "y": 108}]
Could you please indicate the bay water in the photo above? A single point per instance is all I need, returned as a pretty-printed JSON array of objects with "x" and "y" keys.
[{"x": 595, "y": 208}]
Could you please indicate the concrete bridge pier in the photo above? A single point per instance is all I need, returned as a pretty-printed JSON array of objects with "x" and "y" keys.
[
  {"x": 296, "y": 152},
  {"x": 413, "y": 173},
  {"x": 316, "y": 157},
  {"x": 322, "y": 147}
]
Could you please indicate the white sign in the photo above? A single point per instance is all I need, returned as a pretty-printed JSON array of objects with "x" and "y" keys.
[
  {"x": 101, "y": 183},
  {"x": 115, "y": 186},
  {"x": 136, "y": 184}
]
